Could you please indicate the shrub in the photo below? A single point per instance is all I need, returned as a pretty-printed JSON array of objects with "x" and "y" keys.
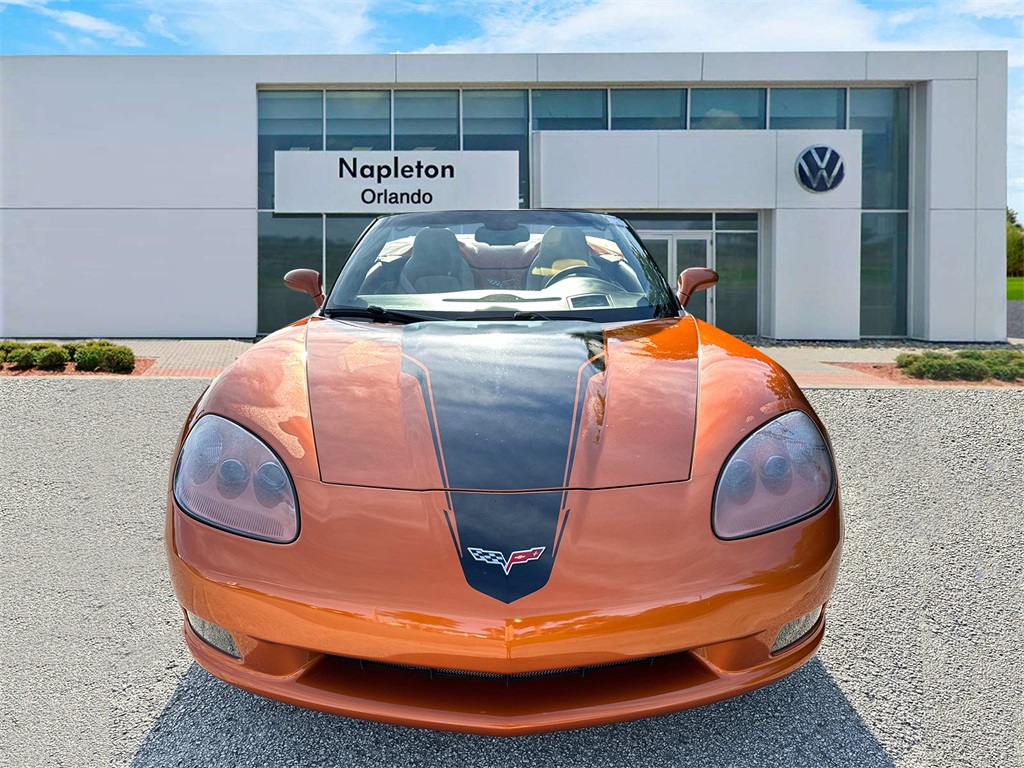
[
  {"x": 101, "y": 343},
  {"x": 35, "y": 346},
  {"x": 9, "y": 346},
  {"x": 939, "y": 368},
  {"x": 51, "y": 358},
  {"x": 23, "y": 359},
  {"x": 88, "y": 357},
  {"x": 117, "y": 359},
  {"x": 971, "y": 354},
  {"x": 71, "y": 347},
  {"x": 969, "y": 369},
  {"x": 1007, "y": 372},
  {"x": 906, "y": 359},
  {"x": 3, "y": 356}
]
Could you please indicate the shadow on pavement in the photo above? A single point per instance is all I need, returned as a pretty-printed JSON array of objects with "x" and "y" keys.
[{"x": 803, "y": 720}]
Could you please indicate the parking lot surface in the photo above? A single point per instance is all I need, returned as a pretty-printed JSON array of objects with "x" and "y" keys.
[{"x": 920, "y": 665}]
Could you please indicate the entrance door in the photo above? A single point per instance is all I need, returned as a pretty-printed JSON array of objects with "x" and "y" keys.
[{"x": 676, "y": 251}]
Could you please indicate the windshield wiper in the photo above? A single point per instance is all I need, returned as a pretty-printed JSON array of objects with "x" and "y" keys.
[{"x": 381, "y": 314}]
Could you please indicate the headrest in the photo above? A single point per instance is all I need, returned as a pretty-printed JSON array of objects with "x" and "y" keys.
[
  {"x": 564, "y": 243},
  {"x": 502, "y": 236},
  {"x": 435, "y": 250}
]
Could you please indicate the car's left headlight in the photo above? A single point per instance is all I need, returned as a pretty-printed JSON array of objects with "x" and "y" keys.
[
  {"x": 779, "y": 474},
  {"x": 229, "y": 478}
]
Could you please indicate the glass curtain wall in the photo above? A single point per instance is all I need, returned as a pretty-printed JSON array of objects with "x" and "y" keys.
[
  {"x": 794, "y": 108},
  {"x": 648, "y": 109},
  {"x": 358, "y": 120},
  {"x": 727, "y": 108},
  {"x": 499, "y": 120},
  {"x": 570, "y": 110},
  {"x": 427, "y": 120},
  {"x": 883, "y": 114},
  {"x": 736, "y": 264}
]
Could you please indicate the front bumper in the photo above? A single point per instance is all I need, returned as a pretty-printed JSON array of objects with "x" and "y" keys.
[
  {"x": 350, "y": 621},
  {"x": 495, "y": 706}
]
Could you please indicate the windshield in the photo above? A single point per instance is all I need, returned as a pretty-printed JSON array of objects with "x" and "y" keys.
[{"x": 526, "y": 264}]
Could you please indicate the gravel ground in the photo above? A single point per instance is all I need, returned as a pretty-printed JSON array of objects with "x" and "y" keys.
[{"x": 919, "y": 666}]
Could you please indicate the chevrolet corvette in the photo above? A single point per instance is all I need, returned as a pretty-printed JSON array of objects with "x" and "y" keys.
[{"x": 502, "y": 482}]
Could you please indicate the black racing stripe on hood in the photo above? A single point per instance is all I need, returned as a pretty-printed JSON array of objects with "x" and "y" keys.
[
  {"x": 505, "y": 407},
  {"x": 505, "y": 400}
]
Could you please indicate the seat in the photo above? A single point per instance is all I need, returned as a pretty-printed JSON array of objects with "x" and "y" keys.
[
  {"x": 436, "y": 264},
  {"x": 560, "y": 248}
]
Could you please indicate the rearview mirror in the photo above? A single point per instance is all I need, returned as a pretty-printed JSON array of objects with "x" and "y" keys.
[
  {"x": 694, "y": 279},
  {"x": 307, "y": 281}
]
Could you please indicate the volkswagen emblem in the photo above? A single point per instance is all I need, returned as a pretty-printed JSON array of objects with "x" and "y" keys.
[{"x": 820, "y": 169}]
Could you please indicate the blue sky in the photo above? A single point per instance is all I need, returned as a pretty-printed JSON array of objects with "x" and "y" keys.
[{"x": 390, "y": 26}]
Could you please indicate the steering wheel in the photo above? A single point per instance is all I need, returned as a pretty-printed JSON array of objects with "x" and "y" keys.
[{"x": 577, "y": 271}]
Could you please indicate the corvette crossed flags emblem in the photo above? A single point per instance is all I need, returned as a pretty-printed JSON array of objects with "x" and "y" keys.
[{"x": 498, "y": 558}]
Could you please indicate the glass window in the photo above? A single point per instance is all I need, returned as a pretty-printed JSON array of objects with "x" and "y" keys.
[
  {"x": 808, "y": 108},
  {"x": 427, "y": 120},
  {"x": 570, "y": 110},
  {"x": 727, "y": 108},
  {"x": 342, "y": 233},
  {"x": 736, "y": 291},
  {"x": 287, "y": 120},
  {"x": 668, "y": 221},
  {"x": 285, "y": 243},
  {"x": 498, "y": 120},
  {"x": 359, "y": 120},
  {"x": 883, "y": 114},
  {"x": 736, "y": 222},
  {"x": 648, "y": 109},
  {"x": 883, "y": 274}
]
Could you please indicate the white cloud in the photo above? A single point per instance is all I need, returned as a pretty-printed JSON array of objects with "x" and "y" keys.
[
  {"x": 157, "y": 25},
  {"x": 991, "y": 9},
  {"x": 95, "y": 26},
  {"x": 266, "y": 26}
]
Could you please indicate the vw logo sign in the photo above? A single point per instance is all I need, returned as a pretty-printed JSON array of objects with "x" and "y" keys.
[{"x": 820, "y": 169}]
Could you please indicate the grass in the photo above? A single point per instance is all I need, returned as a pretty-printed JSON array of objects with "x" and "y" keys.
[{"x": 1015, "y": 289}]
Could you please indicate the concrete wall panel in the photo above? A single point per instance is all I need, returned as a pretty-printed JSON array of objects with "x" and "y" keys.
[
  {"x": 951, "y": 276},
  {"x": 783, "y": 67},
  {"x": 83, "y": 273},
  {"x": 952, "y": 144},
  {"x": 816, "y": 254}
]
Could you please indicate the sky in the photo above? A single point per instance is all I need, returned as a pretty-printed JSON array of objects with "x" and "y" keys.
[{"x": 527, "y": 26}]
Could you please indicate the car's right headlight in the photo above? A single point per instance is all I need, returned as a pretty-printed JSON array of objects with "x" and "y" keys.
[
  {"x": 779, "y": 474},
  {"x": 229, "y": 478}
]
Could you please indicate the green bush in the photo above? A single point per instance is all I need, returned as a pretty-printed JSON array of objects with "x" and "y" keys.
[
  {"x": 971, "y": 354},
  {"x": 937, "y": 368},
  {"x": 35, "y": 346},
  {"x": 969, "y": 369},
  {"x": 906, "y": 359},
  {"x": 23, "y": 359},
  {"x": 51, "y": 358},
  {"x": 1007, "y": 372},
  {"x": 88, "y": 357},
  {"x": 9, "y": 346},
  {"x": 3, "y": 356},
  {"x": 71, "y": 347},
  {"x": 117, "y": 359},
  {"x": 101, "y": 343}
]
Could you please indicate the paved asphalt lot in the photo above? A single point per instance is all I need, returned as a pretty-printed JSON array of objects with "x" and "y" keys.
[{"x": 920, "y": 667}]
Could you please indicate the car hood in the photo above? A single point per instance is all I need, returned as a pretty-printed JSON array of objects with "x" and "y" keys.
[{"x": 502, "y": 406}]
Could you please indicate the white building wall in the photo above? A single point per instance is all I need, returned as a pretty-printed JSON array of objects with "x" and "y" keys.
[
  {"x": 129, "y": 196},
  {"x": 117, "y": 172},
  {"x": 812, "y": 240}
]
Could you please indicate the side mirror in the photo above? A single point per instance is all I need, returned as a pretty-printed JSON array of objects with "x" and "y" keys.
[
  {"x": 694, "y": 279},
  {"x": 307, "y": 281}
]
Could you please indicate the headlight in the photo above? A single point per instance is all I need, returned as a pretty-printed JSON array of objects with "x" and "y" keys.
[
  {"x": 229, "y": 478},
  {"x": 779, "y": 474}
]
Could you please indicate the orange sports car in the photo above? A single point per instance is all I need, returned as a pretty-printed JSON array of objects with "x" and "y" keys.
[{"x": 502, "y": 482}]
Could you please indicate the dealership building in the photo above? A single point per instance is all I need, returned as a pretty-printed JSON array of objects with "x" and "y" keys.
[{"x": 838, "y": 195}]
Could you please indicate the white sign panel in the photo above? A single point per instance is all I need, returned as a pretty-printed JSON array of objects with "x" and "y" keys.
[{"x": 392, "y": 182}]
